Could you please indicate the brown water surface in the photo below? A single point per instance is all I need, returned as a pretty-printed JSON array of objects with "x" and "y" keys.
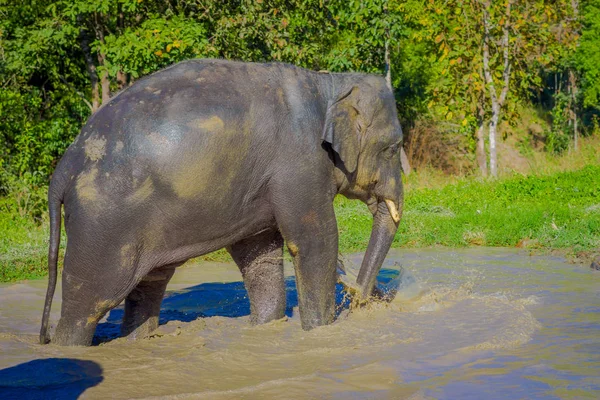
[{"x": 477, "y": 323}]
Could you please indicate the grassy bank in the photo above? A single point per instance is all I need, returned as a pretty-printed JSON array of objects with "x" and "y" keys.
[{"x": 557, "y": 210}]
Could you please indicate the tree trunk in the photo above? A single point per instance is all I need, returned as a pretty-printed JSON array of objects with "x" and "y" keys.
[
  {"x": 573, "y": 107},
  {"x": 121, "y": 76},
  {"x": 121, "y": 79},
  {"x": 480, "y": 151},
  {"x": 105, "y": 81},
  {"x": 84, "y": 42},
  {"x": 492, "y": 136},
  {"x": 105, "y": 88},
  {"x": 575, "y": 133},
  {"x": 573, "y": 78},
  {"x": 497, "y": 101}
]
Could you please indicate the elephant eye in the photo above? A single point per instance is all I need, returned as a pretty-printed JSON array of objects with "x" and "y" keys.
[{"x": 391, "y": 151}]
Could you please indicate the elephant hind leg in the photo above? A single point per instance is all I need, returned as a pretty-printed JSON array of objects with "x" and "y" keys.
[
  {"x": 80, "y": 314},
  {"x": 142, "y": 305},
  {"x": 260, "y": 259}
]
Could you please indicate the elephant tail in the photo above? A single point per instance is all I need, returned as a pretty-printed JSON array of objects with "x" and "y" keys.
[{"x": 54, "y": 208}]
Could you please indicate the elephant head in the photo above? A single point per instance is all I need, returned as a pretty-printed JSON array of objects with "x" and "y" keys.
[{"x": 362, "y": 128}]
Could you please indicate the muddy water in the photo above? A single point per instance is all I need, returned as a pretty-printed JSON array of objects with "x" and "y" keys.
[{"x": 484, "y": 323}]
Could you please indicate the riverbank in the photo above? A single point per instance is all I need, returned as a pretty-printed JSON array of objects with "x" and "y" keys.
[
  {"x": 545, "y": 212},
  {"x": 559, "y": 211}
]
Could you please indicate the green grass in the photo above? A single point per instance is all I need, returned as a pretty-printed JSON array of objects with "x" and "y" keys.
[
  {"x": 556, "y": 211},
  {"x": 23, "y": 248}
]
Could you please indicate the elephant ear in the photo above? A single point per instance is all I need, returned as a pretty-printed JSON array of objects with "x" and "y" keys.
[{"x": 342, "y": 128}]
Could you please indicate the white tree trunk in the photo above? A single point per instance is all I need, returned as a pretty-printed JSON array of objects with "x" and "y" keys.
[
  {"x": 480, "y": 151},
  {"x": 492, "y": 134}
]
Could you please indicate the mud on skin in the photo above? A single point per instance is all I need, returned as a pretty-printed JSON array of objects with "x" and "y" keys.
[{"x": 211, "y": 154}]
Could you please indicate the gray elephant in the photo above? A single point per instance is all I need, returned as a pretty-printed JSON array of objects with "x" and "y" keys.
[{"x": 211, "y": 154}]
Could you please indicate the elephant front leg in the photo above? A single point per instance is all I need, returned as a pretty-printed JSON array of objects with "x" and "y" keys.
[
  {"x": 312, "y": 240},
  {"x": 260, "y": 259},
  {"x": 315, "y": 262},
  {"x": 142, "y": 305}
]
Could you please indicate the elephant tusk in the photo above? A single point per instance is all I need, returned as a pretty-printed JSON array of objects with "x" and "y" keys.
[{"x": 393, "y": 210}]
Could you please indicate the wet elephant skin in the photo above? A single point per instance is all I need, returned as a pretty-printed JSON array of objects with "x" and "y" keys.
[{"x": 211, "y": 154}]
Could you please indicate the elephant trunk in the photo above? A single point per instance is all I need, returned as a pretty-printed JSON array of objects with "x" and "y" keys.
[{"x": 385, "y": 224}]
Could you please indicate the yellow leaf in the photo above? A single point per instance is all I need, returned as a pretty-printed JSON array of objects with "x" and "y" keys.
[
  {"x": 438, "y": 38},
  {"x": 158, "y": 53},
  {"x": 464, "y": 122},
  {"x": 169, "y": 46},
  {"x": 177, "y": 44},
  {"x": 452, "y": 62},
  {"x": 449, "y": 115},
  {"x": 431, "y": 104}
]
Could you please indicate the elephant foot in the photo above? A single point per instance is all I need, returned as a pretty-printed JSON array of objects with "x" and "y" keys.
[
  {"x": 78, "y": 322},
  {"x": 79, "y": 334},
  {"x": 144, "y": 330}
]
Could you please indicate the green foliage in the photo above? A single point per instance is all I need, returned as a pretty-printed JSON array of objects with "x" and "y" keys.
[
  {"x": 35, "y": 129},
  {"x": 23, "y": 197},
  {"x": 155, "y": 44},
  {"x": 587, "y": 57},
  {"x": 50, "y": 51},
  {"x": 558, "y": 139}
]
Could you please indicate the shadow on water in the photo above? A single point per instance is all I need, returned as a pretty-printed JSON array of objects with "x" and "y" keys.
[
  {"x": 50, "y": 378},
  {"x": 220, "y": 299}
]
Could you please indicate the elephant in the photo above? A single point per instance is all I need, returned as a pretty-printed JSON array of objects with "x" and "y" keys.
[{"x": 209, "y": 154}]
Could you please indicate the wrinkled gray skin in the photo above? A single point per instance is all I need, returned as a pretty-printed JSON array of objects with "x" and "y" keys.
[{"x": 209, "y": 154}]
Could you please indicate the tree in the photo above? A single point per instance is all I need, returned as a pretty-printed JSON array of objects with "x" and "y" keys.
[{"x": 497, "y": 100}]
